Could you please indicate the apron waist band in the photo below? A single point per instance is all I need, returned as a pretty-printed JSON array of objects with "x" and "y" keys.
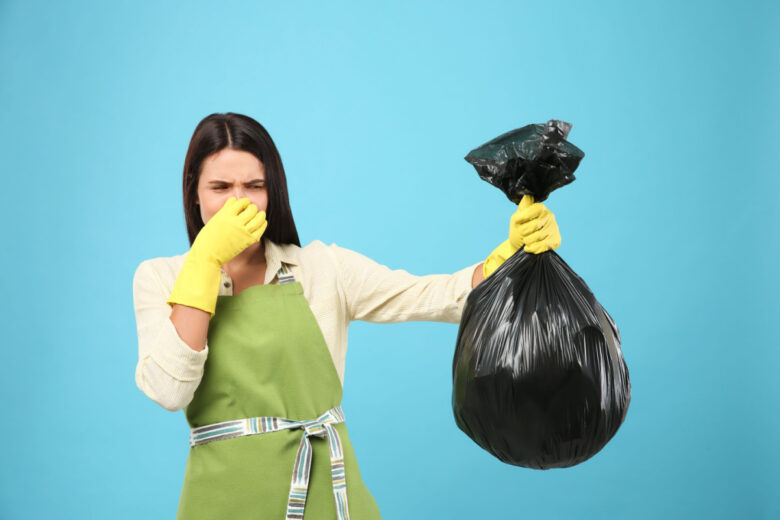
[{"x": 322, "y": 426}]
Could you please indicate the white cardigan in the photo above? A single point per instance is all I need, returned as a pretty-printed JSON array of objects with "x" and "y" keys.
[{"x": 340, "y": 286}]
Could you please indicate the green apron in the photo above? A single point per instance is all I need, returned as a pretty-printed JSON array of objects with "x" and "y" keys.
[{"x": 268, "y": 378}]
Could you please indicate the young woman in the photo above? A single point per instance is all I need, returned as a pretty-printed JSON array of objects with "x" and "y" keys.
[{"x": 247, "y": 332}]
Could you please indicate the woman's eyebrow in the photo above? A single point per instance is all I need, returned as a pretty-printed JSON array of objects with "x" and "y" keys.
[{"x": 226, "y": 182}]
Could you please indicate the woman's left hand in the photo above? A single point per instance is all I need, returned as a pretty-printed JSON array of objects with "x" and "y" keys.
[{"x": 533, "y": 226}]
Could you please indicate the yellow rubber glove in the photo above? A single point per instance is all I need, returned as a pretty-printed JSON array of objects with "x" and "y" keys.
[
  {"x": 532, "y": 225},
  {"x": 237, "y": 225}
]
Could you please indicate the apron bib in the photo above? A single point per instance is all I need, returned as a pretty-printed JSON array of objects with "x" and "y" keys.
[{"x": 269, "y": 405}]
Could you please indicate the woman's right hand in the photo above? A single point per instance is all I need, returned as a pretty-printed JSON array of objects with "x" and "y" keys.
[{"x": 237, "y": 225}]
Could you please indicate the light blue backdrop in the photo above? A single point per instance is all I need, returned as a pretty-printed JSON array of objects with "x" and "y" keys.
[{"x": 672, "y": 221}]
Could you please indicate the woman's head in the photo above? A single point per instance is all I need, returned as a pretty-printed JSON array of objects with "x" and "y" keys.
[{"x": 233, "y": 155}]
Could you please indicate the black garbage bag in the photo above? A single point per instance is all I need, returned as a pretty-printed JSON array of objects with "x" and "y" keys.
[
  {"x": 533, "y": 160},
  {"x": 539, "y": 379}
]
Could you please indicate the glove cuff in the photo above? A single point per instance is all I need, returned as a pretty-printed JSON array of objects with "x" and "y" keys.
[
  {"x": 499, "y": 255},
  {"x": 197, "y": 285}
]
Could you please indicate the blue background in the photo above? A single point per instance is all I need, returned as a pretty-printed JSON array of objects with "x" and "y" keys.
[{"x": 672, "y": 221}]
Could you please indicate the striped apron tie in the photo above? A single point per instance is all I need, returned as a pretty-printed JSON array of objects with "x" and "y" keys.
[{"x": 319, "y": 427}]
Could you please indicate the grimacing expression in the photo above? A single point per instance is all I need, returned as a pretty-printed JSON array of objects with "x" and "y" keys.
[{"x": 230, "y": 173}]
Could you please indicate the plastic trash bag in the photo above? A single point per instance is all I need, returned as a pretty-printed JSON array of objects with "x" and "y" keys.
[
  {"x": 539, "y": 379},
  {"x": 533, "y": 160}
]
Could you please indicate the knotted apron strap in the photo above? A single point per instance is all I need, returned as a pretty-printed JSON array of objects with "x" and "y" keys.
[{"x": 322, "y": 426}]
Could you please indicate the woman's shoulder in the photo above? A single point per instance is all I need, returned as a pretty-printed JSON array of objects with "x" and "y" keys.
[
  {"x": 313, "y": 253},
  {"x": 164, "y": 267},
  {"x": 325, "y": 260},
  {"x": 319, "y": 252}
]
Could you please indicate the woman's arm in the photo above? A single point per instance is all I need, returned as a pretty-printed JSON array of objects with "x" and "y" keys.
[
  {"x": 374, "y": 292},
  {"x": 192, "y": 324},
  {"x": 478, "y": 275},
  {"x": 169, "y": 368}
]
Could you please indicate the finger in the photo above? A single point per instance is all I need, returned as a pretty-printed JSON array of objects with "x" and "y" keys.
[
  {"x": 536, "y": 248},
  {"x": 228, "y": 203},
  {"x": 554, "y": 238},
  {"x": 256, "y": 222},
  {"x": 526, "y": 229},
  {"x": 531, "y": 212},
  {"x": 532, "y": 225},
  {"x": 526, "y": 201},
  {"x": 249, "y": 212},
  {"x": 551, "y": 242},
  {"x": 537, "y": 236},
  {"x": 239, "y": 205},
  {"x": 259, "y": 231}
]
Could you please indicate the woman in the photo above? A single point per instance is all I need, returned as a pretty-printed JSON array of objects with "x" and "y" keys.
[{"x": 247, "y": 332}]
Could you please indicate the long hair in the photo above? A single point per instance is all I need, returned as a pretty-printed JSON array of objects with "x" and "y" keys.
[{"x": 216, "y": 132}]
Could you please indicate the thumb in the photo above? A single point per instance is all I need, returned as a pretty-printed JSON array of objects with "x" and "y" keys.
[{"x": 526, "y": 201}]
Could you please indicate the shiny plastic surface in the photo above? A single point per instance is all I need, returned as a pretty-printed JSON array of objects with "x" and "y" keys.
[
  {"x": 532, "y": 160},
  {"x": 539, "y": 378}
]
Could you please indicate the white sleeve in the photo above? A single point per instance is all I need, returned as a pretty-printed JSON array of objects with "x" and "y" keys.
[
  {"x": 168, "y": 370},
  {"x": 376, "y": 293}
]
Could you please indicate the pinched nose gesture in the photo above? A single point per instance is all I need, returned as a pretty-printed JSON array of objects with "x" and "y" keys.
[{"x": 237, "y": 225}]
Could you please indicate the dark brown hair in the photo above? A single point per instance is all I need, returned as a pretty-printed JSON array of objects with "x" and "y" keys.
[{"x": 239, "y": 132}]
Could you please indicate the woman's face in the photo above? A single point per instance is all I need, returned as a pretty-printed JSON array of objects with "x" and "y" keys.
[{"x": 230, "y": 173}]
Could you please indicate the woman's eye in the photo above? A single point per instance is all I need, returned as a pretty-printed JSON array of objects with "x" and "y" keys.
[{"x": 255, "y": 187}]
